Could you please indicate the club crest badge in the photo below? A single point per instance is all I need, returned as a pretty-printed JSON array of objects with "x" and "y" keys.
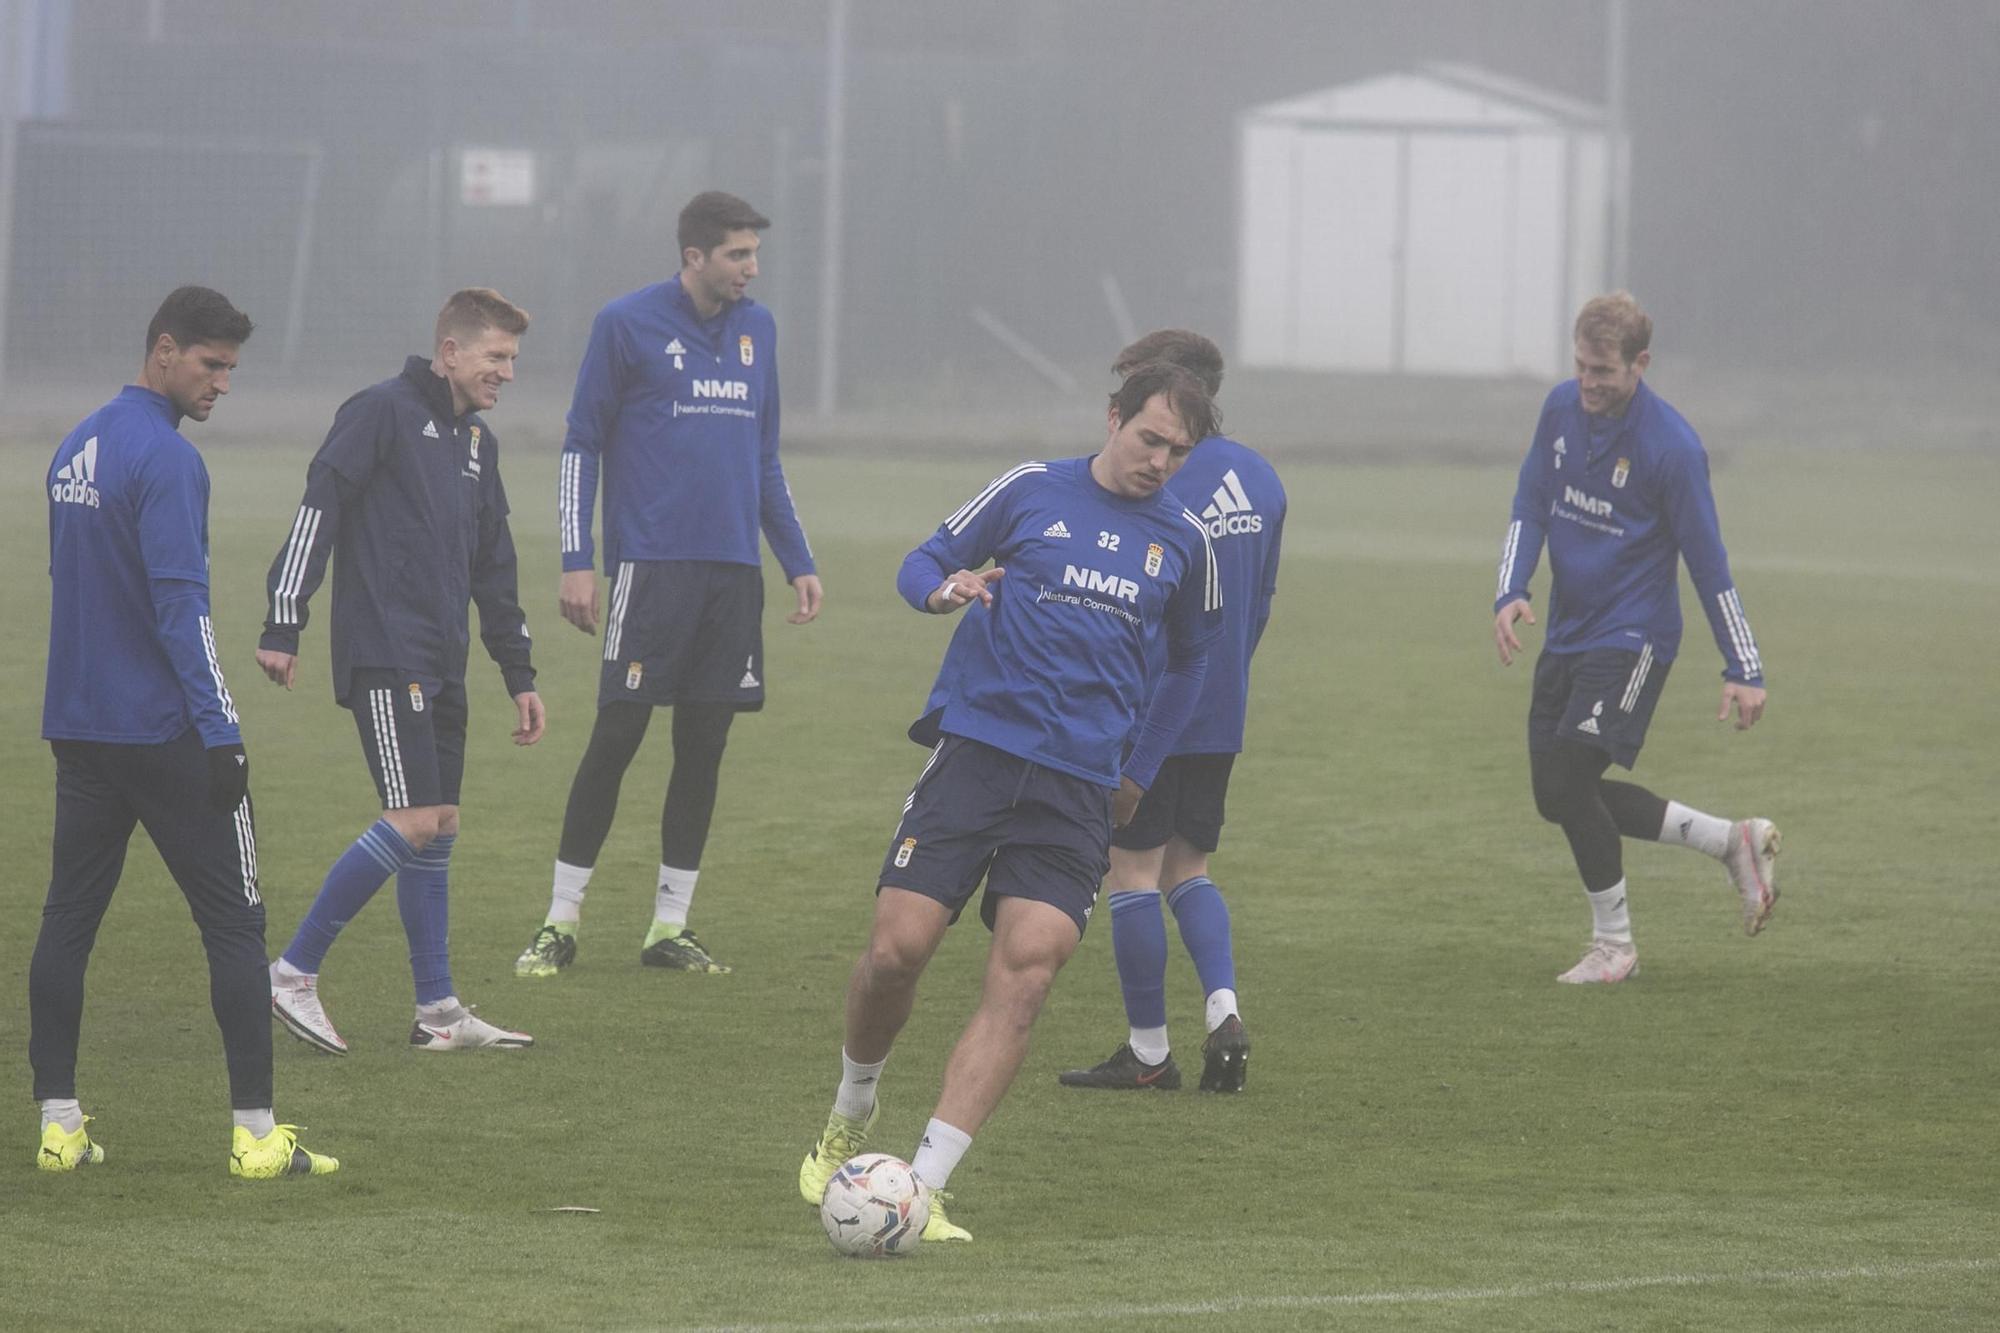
[
  {"x": 908, "y": 846},
  {"x": 416, "y": 697},
  {"x": 632, "y": 674},
  {"x": 746, "y": 350},
  {"x": 1621, "y": 472},
  {"x": 472, "y": 458},
  {"x": 1154, "y": 554}
]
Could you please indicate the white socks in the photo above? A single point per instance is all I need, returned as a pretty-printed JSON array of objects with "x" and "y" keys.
[
  {"x": 676, "y": 896},
  {"x": 282, "y": 970},
  {"x": 1221, "y": 1005},
  {"x": 1691, "y": 828},
  {"x": 1149, "y": 1044},
  {"x": 1609, "y": 917},
  {"x": 260, "y": 1123},
  {"x": 566, "y": 898},
  {"x": 856, "y": 1096},
  {"x": 938, "y": 1153},
  {"x": 63, "y": 1111}
]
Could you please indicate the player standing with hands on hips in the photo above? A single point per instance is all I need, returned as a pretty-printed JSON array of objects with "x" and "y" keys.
[
  {"x": 144, "y": 730},
  {"x": 1045, "y": 680},
  {"x": 1616, "y": 482},
  {"x": 677, "y": 405},
  {"x": 405, "y": 496}
]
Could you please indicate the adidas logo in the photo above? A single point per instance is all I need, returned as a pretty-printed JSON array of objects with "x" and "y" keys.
[
  {"x": 76, "y": 480},
  {"x": 1229, "y": 512},
  {"x": 430, "y": 430},
  {"x": 674, "y": 348},
  {"x": 1588, "y": 726},
  {"x": 1057, "y": 529},
  {"x": 749, "y": 681}
]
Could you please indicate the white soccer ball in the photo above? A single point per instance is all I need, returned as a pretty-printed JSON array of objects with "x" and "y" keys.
[{"x": 873, "y": 1207}]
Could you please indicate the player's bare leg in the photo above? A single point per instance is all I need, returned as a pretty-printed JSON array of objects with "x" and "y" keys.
[{"x": 1031, "y": 942}]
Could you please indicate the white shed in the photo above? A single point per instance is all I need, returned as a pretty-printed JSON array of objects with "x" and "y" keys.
[{"x": 1448, "y": 221}]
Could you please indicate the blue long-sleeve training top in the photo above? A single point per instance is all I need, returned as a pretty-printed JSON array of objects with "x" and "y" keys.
[
  {"x": 1237, "y": 494},
  {"x": 680, "y": 415},
  {"x": 407, "y": 500},
  {"x": 1056, "y": 670},
  {"x": 1619, "y": 506},
  {"x": 132, "y": 657}
]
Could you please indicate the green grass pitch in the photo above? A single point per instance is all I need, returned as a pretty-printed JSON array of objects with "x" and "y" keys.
[{"x": 1793, "y": 1132}]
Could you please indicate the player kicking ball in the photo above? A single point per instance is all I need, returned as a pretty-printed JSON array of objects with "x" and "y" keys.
[
  {"x": 406, "y": 499},
  {"x": 1046, "y": 678}
]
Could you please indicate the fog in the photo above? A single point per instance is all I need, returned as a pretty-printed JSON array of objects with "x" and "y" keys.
[{"x": 973, "y": 203}]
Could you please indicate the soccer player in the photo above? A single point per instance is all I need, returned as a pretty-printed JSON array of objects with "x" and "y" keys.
[
  {"x": 677, "y": 402},
  {"x": 405, "y": 496},
  {"x": 1179, "y": 823},
  {"x": 1045, "y": 680},
  {"x": 1616, "y": 482},
  {"x": 144, "y": 730}
]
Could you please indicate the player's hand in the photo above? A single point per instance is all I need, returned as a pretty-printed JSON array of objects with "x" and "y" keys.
[
  {"x": 1126, "y": 803},
  {"x": 1746, "y": 700},
  {"x": 963, "y": 589},
  {"x": 534, "y": 718},
  {"x": 1503, "y": 628},
  {"x": 579, "y": 599},
  {"x": 281, "y": 668},
  {"x": 228, "y": 777},
  {"x": 810, "y": 597}
]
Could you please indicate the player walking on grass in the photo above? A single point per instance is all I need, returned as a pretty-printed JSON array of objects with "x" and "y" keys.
[
  {"x": 144, "y": 730},
  {"x": 1179, "y": 823},
  {"x": 1616, "y": 482},
  {"x": 677, "y": 402},
  {"x": 405, "y": 496},
  {"x": 1045, "y": 680}
]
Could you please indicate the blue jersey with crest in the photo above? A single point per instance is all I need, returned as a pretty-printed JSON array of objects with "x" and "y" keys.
[
  {"x": 1237, "y": 495},
  {"x": 681, "y": 414},
  {"x": 1057, "y": 670},
  {"x": 1620, "y": 504},
  {"x": 132, "y": 655}
]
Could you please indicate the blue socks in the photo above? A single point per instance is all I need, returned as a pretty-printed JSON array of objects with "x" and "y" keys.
[
  {"x": 361, "y": 869},
  {"x": 421, "y": 895},
  {"x": 1204, "y": 923},
  {"x": 1139, "y": 944}
]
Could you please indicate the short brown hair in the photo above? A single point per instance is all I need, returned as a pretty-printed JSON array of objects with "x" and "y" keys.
[
  {"x": 1183, "y": 347},
  {"x": 1615, "y": 319},
  {"x": 472, "y": 311},
  {"x": 709, "y": 218},
  {"x": 1187, "y": 396}
]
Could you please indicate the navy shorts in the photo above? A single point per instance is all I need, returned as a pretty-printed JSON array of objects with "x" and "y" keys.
[
  {"x": 1186, "y": 798},
  {"x": 413, "y": 732},
  {"x": 684, "y": 631},
  {"x": 1603, "y": 697},
  {"x": 1028, "y": 831}
]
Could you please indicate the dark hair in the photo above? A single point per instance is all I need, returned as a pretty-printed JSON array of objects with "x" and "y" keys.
[
  {"x": 473, "y": 310},
  {"x": 710, "y": 216},
  {"x": 1186, "y": 395},
  {"x": 1186, "y": 349},
  {"x": 193, "y": 315}
]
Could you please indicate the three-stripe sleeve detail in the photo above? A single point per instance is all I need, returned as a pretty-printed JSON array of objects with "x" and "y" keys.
[
  {"x": 1740, "y": 637},
  {"x": 215, "y": 669},
  {"x": 1509, "y": 549},
  {"x": 970, "y": 509},
  {"x": 569, "y": 502},
  {"x": 1212, "y": 594},
  {"x": 298, "y": 553}
]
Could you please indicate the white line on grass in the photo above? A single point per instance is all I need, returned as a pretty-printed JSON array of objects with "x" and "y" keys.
[{"x": 1416, "y": 1296}]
